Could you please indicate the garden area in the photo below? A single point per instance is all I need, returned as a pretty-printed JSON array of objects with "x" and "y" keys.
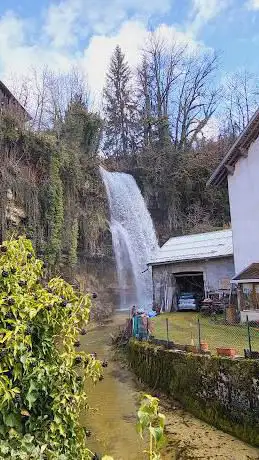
[{"x": 184, "y": 328}]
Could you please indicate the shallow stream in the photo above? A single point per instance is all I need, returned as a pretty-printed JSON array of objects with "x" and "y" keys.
[{"x": 112, "y": 417}]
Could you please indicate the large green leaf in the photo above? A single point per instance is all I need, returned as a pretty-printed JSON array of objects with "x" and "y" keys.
[{"x": 12, "y": 420}]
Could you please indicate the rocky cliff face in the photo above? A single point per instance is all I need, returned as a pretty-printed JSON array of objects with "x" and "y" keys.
[{"x": 14, "y": 213}]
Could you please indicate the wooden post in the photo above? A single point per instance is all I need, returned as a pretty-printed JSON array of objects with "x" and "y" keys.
[
  {"x": 249, "y": 335},
  {"x": 167, "y": 331},
  {"x": 199, "y": 333}
]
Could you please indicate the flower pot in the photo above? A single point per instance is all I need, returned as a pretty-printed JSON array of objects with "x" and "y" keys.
[
  {"x": 192, "y": 349},
  {"x": 231, "y": 352},
  {"x": 204, "y": 346}
]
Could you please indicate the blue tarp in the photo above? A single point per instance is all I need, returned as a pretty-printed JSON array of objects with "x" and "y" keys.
[{"x": 151, "y": 314}]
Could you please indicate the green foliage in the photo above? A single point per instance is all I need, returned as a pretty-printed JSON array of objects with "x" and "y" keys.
[
  {"x": 54, "y": 180},
  {"x": 119, "y": 108},
  {"x": 73, "y": 247},
  {"x": 152, "y": 421},
  {"x": 54, "y": 212},
  {"x": 42, "y": 377}
]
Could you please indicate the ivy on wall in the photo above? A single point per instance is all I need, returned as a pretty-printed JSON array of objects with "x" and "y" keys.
[{"x": 55, "y": 212}]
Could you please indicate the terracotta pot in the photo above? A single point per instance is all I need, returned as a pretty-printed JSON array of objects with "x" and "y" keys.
[
  {"x": 226, "y": 352},
  {"x": 192, "y": 348},
  {"x": 204, "y": 346}
]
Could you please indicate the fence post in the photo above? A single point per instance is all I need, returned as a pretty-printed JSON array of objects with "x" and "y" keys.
[
  {"x": 249, "y": 335},
  {"x": 167, "y": 331},
  {"x": 199, "y": 333}
]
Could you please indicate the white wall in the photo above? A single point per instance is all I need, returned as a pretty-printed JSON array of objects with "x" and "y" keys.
[{"x": 244, "y": 207}]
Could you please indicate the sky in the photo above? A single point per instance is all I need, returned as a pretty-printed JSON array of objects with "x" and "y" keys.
[{"x": 84, "y": 33}]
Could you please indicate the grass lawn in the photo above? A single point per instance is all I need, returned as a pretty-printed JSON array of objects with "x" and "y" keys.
[{"x": 183, "y": 329}]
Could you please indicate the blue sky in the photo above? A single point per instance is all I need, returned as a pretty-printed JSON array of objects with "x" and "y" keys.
[{"x": 60, "y": 34}]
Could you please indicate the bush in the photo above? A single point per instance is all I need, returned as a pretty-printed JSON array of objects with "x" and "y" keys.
[{"x": 42, "y": 376}]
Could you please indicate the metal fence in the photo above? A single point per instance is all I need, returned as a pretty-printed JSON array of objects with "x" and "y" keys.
[{"x": 194, "y": 332}]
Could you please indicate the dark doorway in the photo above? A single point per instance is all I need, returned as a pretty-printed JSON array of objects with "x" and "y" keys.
[{"x": 191, "y": 283}]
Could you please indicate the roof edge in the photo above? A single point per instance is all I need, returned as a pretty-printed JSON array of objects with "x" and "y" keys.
[
  {"x": 234, "y": 153},
  {"x": 170, "y": 262},
  {"x": 11, "y": 95}
]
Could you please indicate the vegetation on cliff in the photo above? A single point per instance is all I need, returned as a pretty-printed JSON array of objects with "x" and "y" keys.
[{"x": 50, "y": 183}]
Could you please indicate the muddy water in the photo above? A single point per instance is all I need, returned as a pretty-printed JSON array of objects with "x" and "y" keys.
[{"x": 112, "y": 416}]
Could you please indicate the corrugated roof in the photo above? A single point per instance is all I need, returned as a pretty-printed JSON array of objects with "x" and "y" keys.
[{"x": 193, "y": 247}]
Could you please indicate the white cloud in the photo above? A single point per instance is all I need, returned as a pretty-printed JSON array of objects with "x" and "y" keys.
[
  {"x": 204, "y": 11},
  {"x": 61, "y": 23},
  {"x": 132, "y": 37},
  {"x": 69, "y": 20},
  {"x": 212, "y": 129},
  {"x": 59, "y": 43},
  {"x": 19, "y": 52},
  {"x": 252, "y": 4}
]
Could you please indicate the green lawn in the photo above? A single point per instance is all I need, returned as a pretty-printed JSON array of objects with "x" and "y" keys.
[{"x": 183, "y": 329}]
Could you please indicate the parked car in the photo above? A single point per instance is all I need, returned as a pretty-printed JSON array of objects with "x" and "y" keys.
[{"x": 187, "y": 301}]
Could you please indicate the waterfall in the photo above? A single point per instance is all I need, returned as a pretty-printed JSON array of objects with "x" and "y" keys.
[{"x": 133, "y": 238}]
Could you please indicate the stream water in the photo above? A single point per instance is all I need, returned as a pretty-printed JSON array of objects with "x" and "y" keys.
[{"x": 112, "y": 416}]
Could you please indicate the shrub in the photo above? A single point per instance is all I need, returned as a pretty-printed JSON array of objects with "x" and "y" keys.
[{"x": 42, "y": 375}]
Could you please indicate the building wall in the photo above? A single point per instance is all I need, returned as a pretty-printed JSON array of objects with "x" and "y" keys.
[
  {"x": 244, "y": 207},
  {"x": 214, "y": 271}
]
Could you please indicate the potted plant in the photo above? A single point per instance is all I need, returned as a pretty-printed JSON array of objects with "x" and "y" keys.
[
  {"x": 226, "y": 351},
  {"x": 204, "y": 346},
  {"x": 192, "y": 348}
]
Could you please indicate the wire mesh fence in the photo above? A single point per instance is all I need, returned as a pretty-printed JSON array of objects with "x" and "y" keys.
[{"x": 209, "y": 334}]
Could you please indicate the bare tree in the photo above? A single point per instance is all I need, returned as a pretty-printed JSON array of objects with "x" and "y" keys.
[
  {"x": 146, "y": 108},
  {"x": 158, "y": 73},
  {"x": 242, "y": 98},
  {"x": 62, "y": 89},
  {"x": 196, "y": 100},
  {"x": 46, "y": 94}
]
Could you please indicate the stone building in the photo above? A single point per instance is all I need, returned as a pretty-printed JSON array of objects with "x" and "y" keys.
[{"x": 201, "y": 264}]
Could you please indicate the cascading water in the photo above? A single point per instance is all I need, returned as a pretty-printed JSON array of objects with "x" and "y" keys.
[{"x": 133, "y": 238}]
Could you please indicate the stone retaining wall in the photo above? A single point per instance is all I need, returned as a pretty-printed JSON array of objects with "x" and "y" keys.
[{"x": 222, "y": 391}]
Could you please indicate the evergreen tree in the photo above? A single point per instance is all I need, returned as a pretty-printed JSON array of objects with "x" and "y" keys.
[{"x": 119, "y": 108}]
